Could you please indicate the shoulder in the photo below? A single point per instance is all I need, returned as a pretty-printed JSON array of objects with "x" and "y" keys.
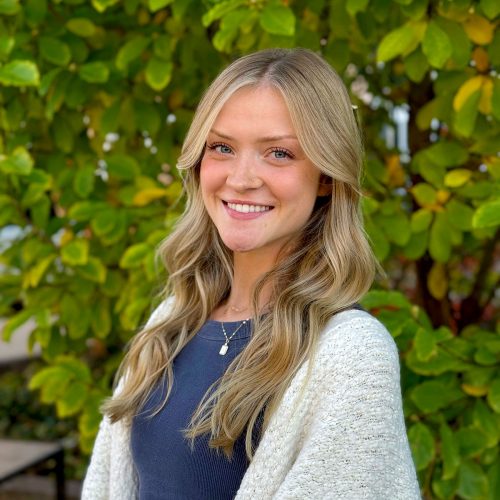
[
  {"x": 354, "y": 339},
  {"x": 161, "y": 311}
]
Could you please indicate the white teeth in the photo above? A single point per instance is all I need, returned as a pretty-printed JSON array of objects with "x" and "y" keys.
[{"x": 245, "y": 209}]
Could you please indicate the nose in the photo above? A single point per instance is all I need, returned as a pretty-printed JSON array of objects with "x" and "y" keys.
[{"x": 243, "y": 174}]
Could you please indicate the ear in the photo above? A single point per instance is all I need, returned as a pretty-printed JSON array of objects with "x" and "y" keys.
[{"x": 325, "y": 185}]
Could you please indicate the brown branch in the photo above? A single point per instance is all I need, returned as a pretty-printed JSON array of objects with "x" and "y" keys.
[{"x": 471, "y": 308}]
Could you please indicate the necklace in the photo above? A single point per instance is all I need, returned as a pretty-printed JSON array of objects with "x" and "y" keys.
[{"x": 225, "y": 346}]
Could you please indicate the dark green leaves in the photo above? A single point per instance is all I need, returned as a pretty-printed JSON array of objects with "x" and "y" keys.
[{"x": 54, "y": 50}]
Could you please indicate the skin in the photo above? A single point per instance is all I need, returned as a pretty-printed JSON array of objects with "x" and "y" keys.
[{"x": 258, "y": 186}]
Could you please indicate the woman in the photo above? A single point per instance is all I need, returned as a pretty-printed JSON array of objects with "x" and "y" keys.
[{"x": 259, "y": 377}]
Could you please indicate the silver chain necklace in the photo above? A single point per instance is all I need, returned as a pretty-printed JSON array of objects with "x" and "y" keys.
[{"x": 225, "y": 346}]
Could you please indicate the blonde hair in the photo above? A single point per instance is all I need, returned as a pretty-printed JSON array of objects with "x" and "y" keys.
[{"x": 330, "y": 268}]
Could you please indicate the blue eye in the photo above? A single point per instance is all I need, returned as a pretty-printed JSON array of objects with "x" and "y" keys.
[
  {"x": 221, "y": 148},
  {"x": 281, "y": 154}
]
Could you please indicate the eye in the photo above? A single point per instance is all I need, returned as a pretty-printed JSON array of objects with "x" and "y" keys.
[
  {"x": 281, "y": 154},
  {"x": 220, "y": 147}
]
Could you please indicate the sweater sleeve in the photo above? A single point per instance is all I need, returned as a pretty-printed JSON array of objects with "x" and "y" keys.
[
  {"x": 356, "y": 445},
  {"x": 96, "y": 483}
]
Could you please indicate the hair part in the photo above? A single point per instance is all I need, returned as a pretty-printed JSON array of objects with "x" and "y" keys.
[{"x": 329, "y": 269}]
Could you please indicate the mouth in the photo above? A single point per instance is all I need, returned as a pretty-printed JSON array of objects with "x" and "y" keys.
[{"x": 246, "y": 208}]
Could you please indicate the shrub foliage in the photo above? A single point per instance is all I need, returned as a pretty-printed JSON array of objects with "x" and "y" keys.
[{"x": 96, "y": 97}]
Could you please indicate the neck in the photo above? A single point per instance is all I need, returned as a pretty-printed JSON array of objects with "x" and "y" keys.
[{"x": 248, "y": 269}]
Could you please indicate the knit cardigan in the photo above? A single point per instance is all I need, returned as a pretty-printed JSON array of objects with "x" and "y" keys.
[{"x": 338, "y": 433}]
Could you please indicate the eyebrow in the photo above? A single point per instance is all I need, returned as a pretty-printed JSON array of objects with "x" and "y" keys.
[{"x": 271, "y": 138}]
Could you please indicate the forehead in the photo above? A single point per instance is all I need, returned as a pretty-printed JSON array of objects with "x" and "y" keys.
[{"x": 259, "y": 108}]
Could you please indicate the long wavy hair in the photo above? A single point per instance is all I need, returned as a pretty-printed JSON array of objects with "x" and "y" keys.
[{"x": 329, "y": 269}]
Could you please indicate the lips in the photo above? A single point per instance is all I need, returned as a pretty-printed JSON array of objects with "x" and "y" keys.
[{"x": 245, "y": 208}]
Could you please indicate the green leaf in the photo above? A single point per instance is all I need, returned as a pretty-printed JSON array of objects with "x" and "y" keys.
[
  {"x": 416, "y": 66},
  {"x": 85, "y": 210},
  {"x": 19, "y": 162},
  {"x": 440, "y": 240},
  {"x": 465, "y": 119},
  {"x": 277, "y": 19},
  {"x": 355, "y": 6},
  {"x": 495, "y": 98},
  {"x": 104, "y": 222},
  {"x": 401, "y": 41},
  {"x": 219, "y": 10},
  {"x": 100, "y": 321},
  {"x": 472, "y": 481},
  {"x": 9, "y": 7},
  {"x": 433, "y": 395},
  {"x": 94, "y": 72},
  {"x": 436, "y": 45},
  {"x": 54, "y": 51},
  {"x": 158, "y": 73},
  {"x": 424, "y": 194},
  {"x": 131, "y": 51},
  {"x": 494, "y": 395},
  {"x": 396, "y": 227},
  {"x": 155, "y": 5},
  {"x": 449, "y": 452},
  {"x": 421, "y": 220},
  {"x": 375, "y": 299},
  {"x": 33, "y": 277},
  {"x": 457, "y": 177},
  {"x": 72, "y": 399},
  {"x": 422, "y": 445},
  {"x": 460, "y": 215},
  {"x": 81, "y": 26},
  {"x": 447, "y": 154},
  {"x": 83, "y": 183},
  {"x": 471, "y": 442},
  {"x": 378, "y": 240},
  {"x": 425, "y": 344},
  {"x": 20, "y": 74},
  {"x": 491, "y": 8},
  {"x": 487, "y": 215},
  {"x": 134, "y": 255},
  {"x": 93, "y": 270},
  {"x": 494, "y": 480},
  {"x": 15, "y": 322},
  {"x": 122, "y": 166},
  {"x": 102, "y": 5},
  {"x": 487, "y": 423},
  {"x": 76, "y": 252}
]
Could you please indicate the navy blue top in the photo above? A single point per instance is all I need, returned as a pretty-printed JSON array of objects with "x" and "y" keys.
[{"x": 167, "y": 467}]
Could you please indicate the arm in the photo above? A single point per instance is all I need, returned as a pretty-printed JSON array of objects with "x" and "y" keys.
[
  {"x": 96, "y": 483},
  {"x": 356, "y": 446}
]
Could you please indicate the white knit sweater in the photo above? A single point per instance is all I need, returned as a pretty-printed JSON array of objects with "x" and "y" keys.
[{"x": 340, "y": 434}]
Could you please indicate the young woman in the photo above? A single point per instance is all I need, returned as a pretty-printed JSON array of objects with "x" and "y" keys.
[{"x": 258, "y": 377}]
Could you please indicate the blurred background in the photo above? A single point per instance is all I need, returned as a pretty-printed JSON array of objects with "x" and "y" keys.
[{"x": 95, "y": 100}]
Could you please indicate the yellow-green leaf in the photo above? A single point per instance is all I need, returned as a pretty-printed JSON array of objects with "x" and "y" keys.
[
  {"x": 158, "y": 73},
  {"x": 401, "y": 41},
  {"x": 76, "y": 252},
  {"x": 436, "y": 45},
  {"x": 20, "y": 74},
  {"x": 19, "y": 162},
  {"x": 437, "y": 281},
  {"x": 487, "y": 215},
  {"x": 457, "y": 177}
]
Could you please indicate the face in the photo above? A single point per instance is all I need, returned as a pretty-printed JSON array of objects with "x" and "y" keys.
[{"x": 258, "y": 186}]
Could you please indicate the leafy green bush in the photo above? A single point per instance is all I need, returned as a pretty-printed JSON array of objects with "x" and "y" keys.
[{"x": 96, "y": 98}]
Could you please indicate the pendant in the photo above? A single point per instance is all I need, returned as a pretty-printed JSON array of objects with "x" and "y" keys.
[{"x": 223, "y": 349}]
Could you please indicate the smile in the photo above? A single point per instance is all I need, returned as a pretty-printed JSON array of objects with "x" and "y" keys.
[{"x": 245, "y": 209}]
